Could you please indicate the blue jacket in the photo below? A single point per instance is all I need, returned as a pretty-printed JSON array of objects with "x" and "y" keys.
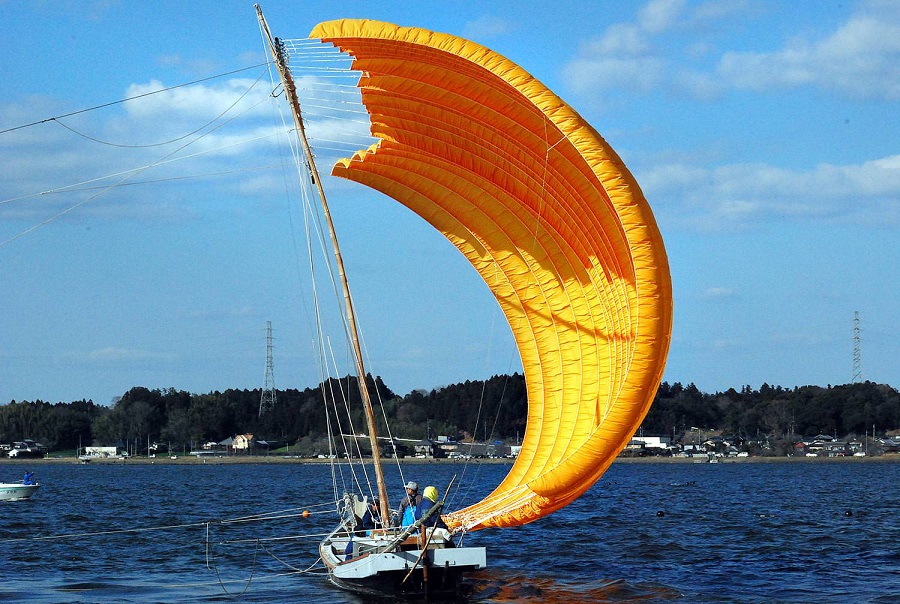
[
  {"x": 369, "y": 520},
  {"x": 435, "y": 519},
  {"x": 407, "y": 513}
]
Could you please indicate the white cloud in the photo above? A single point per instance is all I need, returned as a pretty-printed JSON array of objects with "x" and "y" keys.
[
  {"x": 487, "y": 27},
  {"x": 223, "y": 129},
  {"x": 620, "y": 40},
  {"x": 720, "y": 10},
  {"x": 740, "y": 196},
  {"x": 103, "y": 164},
  {"x": 640, "y": 74},
  {"x": 620, "y": 58},
  {"x": 861, "y": 59},
  {"x": 718, "y": 292},
  {"x": 627, "y": 55},
  {"x": 725, "y": 343},
  {"x": 660, "y": 50},
  {"x": 660, "y": 15},
  {"x": 112, "y": 353},
  {"x": 235, "y": 95}
]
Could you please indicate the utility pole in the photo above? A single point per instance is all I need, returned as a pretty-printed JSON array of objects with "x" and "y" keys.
[{"x": 267, "y": 398}]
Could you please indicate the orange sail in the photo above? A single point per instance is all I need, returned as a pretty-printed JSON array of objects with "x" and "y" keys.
[{"x": 554, "y": 223}]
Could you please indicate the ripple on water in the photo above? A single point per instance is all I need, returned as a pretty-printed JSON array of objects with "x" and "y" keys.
[{"x": 731, "y": 533}]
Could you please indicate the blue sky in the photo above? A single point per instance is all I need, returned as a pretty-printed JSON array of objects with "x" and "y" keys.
[{"x": 765, "y": 134}]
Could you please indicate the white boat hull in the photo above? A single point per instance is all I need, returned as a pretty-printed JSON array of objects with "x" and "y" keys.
[
  {"x": 14, "y": 491},
  {"x": 402, "y": 572}
]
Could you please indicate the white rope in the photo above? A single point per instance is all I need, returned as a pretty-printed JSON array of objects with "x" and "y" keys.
[
  {"x": 100, "y": 533},
  {"x": 300, "y": 537},
  {"x": 262, "y": 517}
]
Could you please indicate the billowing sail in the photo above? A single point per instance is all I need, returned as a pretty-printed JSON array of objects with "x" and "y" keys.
[{"x": 552, "y": 220}]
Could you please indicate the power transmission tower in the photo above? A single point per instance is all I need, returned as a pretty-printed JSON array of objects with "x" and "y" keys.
[
  {"x": 857, "y": 352},
  {"x": 267, "y": 399}
]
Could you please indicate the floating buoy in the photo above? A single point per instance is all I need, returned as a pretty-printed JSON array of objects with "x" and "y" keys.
[{"x": 306, "y": 513}]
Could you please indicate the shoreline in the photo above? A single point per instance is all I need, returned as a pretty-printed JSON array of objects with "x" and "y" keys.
[{"x": 279, "y": 459}]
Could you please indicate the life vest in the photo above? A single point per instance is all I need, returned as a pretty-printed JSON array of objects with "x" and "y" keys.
[{"x": 409, "y": 515}]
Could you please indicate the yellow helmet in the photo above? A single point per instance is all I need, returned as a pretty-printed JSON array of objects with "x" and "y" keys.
[{"x": 430, "y": 493}]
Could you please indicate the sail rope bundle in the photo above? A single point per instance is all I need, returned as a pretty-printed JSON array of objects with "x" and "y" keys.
[
  {"x": 338, "y": 123},
  {"x": 327, "y": 87}
]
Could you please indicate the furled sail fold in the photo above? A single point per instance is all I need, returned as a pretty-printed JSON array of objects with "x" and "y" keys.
[{"x": 552, "y": 220}]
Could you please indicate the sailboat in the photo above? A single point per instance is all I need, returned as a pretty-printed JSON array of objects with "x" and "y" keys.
[{"x": 558, "y": 228}]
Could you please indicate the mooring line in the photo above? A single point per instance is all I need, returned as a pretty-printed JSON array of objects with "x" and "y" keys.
[
  {"x": 206, "y": 523},
  {"x": 99, "y": 533},
  {"x": 249, "y": 579}
]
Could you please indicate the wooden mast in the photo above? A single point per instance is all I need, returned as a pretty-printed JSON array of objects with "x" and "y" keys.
[{"x": 290, "y": 91}]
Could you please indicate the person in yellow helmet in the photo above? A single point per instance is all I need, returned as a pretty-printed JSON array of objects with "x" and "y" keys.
[{"x": 429, "y": 499}]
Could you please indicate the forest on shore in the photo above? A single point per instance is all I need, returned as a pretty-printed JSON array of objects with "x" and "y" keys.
[{"x": 489, "y": 410}]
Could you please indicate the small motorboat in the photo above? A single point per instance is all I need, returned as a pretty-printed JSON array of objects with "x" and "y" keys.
[{"x": 10, "y": 491}]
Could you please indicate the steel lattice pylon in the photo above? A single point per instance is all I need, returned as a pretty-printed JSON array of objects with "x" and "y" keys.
[
  {"x": 857, "y": 351},
  {"x": 267, "y": 398}
]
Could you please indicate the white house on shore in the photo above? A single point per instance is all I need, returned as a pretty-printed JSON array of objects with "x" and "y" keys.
[{"x": 650, "y": 444}]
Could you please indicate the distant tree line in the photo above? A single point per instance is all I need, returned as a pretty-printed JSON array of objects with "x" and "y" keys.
[
  {"x": 776, "y": 411},
  {"x": 493, "y": 409}
]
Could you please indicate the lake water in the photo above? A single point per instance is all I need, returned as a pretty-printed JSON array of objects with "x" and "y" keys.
[{"x": 798, "y": 531}]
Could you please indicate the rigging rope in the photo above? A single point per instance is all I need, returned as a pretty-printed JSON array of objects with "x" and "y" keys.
[
  {"x": 340, "y": 139},
  {"x": 326, "y": 101},
  {"x": 131, "y": 98},
  {"x": 215, "y": 567},
  {"x": 315, "y": 69},
  {"x": 168, "y": 142},
  {"x": 262, "y": 517},
  {"x": 128, "y": 176},
  {"x": 313, "y": 221}
]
